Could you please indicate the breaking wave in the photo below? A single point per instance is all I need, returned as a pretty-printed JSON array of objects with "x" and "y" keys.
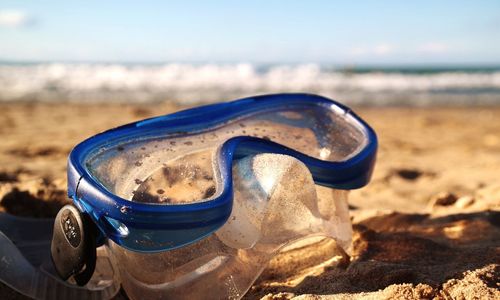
[{"x": 199, "y": 83}]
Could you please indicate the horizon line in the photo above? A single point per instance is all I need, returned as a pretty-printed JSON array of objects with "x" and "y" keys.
[{"x": 361, "y": 65}]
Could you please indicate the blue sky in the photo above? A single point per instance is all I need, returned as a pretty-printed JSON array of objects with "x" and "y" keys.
[{"x": 365, "y": 32}]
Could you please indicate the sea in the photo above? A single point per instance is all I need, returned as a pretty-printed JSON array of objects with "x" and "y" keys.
[{"x": 197, "y": 83}]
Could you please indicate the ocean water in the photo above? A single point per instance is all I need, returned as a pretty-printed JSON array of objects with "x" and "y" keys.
[{"x": 206, "y": 83}]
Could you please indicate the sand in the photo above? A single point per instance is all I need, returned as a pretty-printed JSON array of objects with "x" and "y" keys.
[{"x": 427, "y": 226}]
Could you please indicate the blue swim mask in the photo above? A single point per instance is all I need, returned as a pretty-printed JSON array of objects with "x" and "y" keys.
[{"x": 194, "y": 204}]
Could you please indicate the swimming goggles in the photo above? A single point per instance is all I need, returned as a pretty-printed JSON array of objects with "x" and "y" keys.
[{"x": 157, "y": 187}]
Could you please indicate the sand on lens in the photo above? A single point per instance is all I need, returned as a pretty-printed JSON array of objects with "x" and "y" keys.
[{"x": 427, "y": 226}]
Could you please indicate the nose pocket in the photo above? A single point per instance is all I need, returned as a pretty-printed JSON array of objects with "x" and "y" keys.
[{"x": 275, "y": 201}]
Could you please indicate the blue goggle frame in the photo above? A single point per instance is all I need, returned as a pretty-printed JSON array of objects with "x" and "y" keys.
[{"x": 151, "y": 228}]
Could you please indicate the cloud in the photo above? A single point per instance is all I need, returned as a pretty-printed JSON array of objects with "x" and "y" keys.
[
  {"x": 383, "y": 49},
  {"x": 15, "y": 19},
  {"x": 380, "y": 49},
  {"x": 433, "y": 47}
]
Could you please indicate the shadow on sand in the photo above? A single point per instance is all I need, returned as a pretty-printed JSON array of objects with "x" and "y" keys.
[{"x": 404, "y": 248}]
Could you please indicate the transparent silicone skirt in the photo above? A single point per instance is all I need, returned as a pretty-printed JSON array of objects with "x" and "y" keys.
[{"x": 275, "y": 203}]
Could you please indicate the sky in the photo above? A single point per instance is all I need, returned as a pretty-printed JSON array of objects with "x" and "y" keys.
[{"x": 336, "y": 32}]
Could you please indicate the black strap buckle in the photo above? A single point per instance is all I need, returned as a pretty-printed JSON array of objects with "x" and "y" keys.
[{"x": 73, "y": 247}]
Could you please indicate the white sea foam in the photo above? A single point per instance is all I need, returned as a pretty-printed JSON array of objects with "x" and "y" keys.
[{"x": 190, "y": 83}]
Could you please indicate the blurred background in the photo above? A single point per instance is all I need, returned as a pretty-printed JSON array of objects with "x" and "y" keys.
[
  {"x": 370, "y": 53},
  {"x": 424, "y": 74}
]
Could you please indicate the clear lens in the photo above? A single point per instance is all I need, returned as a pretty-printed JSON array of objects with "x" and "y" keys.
[{"x": 177, "y": 169}]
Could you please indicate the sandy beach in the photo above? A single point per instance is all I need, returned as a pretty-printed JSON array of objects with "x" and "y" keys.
[{"x": 427, "y": 226}]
